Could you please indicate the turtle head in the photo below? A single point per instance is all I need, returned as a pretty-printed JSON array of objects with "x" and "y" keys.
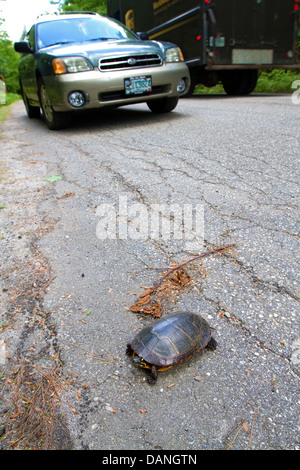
[{"x": 138, "y": 360}]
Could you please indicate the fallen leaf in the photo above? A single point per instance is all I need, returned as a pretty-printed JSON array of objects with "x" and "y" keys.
[
  {"x": 53, "y": 179},
  {"x": 246, "y": 427},
  {"x": 144, "y": 300},
  {"x": 143, "y": 411},
  {"x": 135, "y": 309},
  {"x": 147, "y": 292},
  {"x": 66, "y": 196},
  {"x": 154, "y": 310},
  {"x": 109, "y": 408}
]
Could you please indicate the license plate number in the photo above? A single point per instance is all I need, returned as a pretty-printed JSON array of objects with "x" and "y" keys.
[{"x": 138, "y": 85}]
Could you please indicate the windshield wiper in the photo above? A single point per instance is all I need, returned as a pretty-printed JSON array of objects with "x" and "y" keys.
[
  {"x": 101, "y": 39},
  {"x": 59, "y": 42}
]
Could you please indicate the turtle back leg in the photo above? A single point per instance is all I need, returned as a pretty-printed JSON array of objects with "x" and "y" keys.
[
  {"x": 152, "y": 378},
  {"x": 212, "y": 344}
]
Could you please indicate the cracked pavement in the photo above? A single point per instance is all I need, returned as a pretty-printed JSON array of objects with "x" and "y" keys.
[{"x": 236, "y": 157}]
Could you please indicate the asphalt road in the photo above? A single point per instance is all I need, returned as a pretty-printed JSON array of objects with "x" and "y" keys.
[{"x": 235, "y": 163}]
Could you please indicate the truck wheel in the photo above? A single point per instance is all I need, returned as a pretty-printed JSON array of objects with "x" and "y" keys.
[
  {"x": 239, "y": 82},
  {"x": 163, "y": 105},
  {"x": 53, "y": 119},
  {"x": 252, "y": 81}
]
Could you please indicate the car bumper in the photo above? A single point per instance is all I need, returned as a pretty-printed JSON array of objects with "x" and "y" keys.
[{"x": 107, "y": 88}]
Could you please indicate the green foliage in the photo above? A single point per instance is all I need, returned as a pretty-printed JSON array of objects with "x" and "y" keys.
[
  {"x": 276, "y": 81},
  {"x": 11, "y": 98},
  {"x": 98, "y": 6},
  {"x": 9, "y": 60},
  {"x": 269, "y": 81}
]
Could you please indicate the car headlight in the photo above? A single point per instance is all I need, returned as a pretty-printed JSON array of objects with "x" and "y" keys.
[
  {"x": 174, "y": 54},
  {"x": 71, "y": 65}
]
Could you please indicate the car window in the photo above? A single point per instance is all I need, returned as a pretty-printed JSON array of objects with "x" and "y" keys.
[
  {"x": 30, "y": 38},
  {"x": 79, "y": 30}
]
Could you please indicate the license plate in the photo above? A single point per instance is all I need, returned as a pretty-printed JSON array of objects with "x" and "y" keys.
[{"x": 138, "y": 85}]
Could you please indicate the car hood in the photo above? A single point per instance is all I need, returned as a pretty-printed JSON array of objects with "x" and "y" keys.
[{"x": 95, "y": 50}]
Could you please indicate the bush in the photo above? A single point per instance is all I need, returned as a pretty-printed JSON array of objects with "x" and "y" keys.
[
  {"x": 276, "y": 81},
  {"x": 269, "y": 81},
  {"x": 9, "y": 60}
]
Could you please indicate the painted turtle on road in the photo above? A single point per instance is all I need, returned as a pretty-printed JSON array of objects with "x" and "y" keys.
[{"x": 169, "y": 341}]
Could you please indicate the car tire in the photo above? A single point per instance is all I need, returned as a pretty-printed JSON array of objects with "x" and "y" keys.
[
  {"x": 163, "y": 105},
  {"x": 33, "y": 112},
  {"x": 53, "y": 119}
]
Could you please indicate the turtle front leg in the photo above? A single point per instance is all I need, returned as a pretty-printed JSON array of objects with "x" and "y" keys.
[
  {"x": 212, "y": 344},
  {"x": 129, "y": 350},
  {"x": 152, "y": 378}
]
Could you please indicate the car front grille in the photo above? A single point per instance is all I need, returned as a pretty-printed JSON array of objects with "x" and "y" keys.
[{"x": 129, "y": 62}]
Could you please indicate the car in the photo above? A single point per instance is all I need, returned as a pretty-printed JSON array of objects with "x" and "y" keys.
[{"x": 83, "y": 60}]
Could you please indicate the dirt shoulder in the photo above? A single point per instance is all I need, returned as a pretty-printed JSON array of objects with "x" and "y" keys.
[{"x": 30, "y": 379}]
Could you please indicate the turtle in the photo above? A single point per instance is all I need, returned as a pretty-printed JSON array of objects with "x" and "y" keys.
[{"x": 170, "y": 341}]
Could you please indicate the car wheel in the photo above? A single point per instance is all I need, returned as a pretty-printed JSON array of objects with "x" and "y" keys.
[
  {"x": 164, "y": 105},
  {"x": 32, "y": 111},
  {"x": 53, "y": 119}
]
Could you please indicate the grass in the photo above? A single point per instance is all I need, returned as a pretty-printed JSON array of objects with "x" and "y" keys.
[
  {"x": 273, "y": 81},
  {"x": 277, "y": 81},
  {"x": 4, "y": 109}
]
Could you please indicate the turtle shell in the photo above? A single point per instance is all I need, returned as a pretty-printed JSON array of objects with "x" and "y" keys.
[{"x": 172, "y": 339}]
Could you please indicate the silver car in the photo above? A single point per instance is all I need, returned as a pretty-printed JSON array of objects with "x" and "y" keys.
[{"x": 83, "y": 60}]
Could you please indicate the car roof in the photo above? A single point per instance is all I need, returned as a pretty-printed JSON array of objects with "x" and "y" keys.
[{"x": 53, "y": 17}]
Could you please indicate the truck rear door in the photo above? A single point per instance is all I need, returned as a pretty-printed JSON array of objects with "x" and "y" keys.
[{"x": 253, "y": 32}]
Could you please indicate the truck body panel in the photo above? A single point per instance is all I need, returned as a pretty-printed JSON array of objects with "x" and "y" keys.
[{"x": 219, "y": 35}]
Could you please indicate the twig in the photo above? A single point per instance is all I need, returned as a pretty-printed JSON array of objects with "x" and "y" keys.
[
  {"x": 241, "y": 424},
  {"x": 252, "y": 429},
  {"x": 112, "y": 436},
  {"x": 268, "y": 383},
  {"x": 217, "y": 250},
  {"x": 260, "y": 417},
  {"x": 97, "y": 357}
]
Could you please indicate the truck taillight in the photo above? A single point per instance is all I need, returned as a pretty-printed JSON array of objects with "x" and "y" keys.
[{"x": 296, "y": 5}]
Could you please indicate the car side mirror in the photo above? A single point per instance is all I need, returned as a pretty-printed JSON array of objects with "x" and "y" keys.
[
  {"x": 23, "y": 47},
  {"x": 144, "y": 36}
]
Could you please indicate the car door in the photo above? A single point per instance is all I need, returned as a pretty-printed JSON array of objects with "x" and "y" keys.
[{"x": 27, "y": 69}]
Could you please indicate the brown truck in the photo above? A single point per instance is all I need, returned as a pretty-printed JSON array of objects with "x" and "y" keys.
[{"x": 226, "y": 41}]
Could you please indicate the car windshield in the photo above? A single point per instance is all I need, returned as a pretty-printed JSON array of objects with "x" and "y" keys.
[{"x": 69, "y": 30}]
